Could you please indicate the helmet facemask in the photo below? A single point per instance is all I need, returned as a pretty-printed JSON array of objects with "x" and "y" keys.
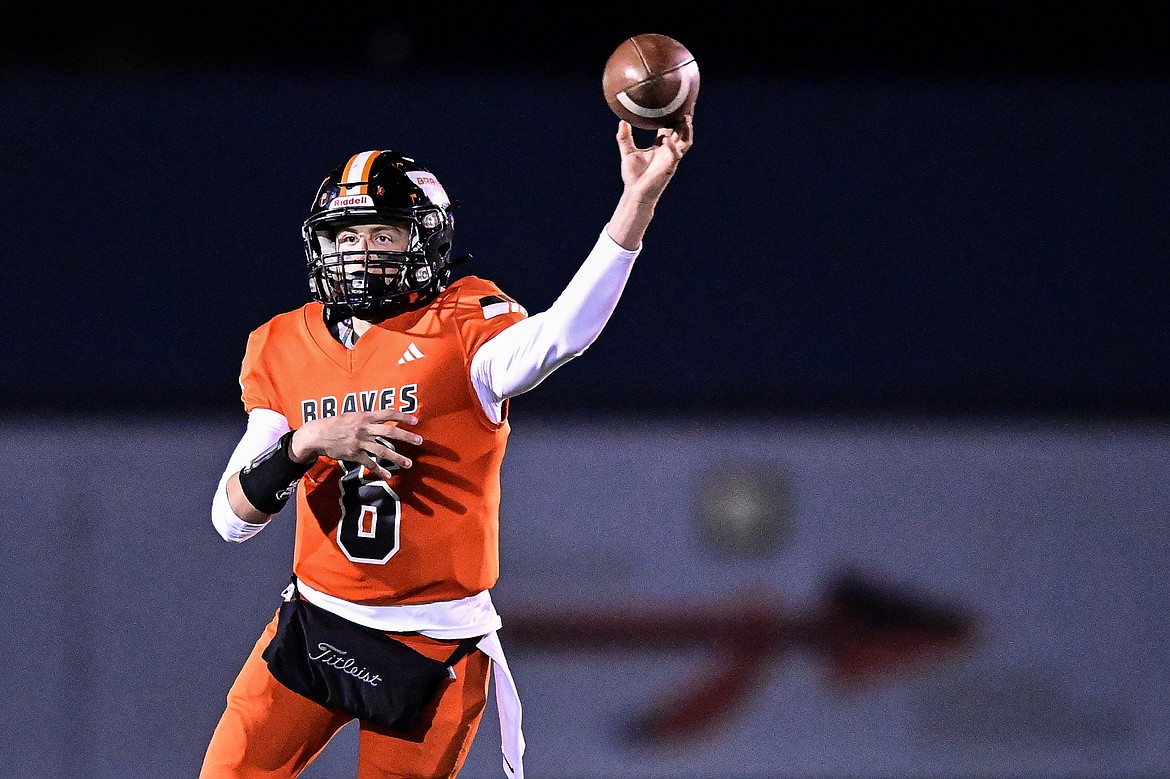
[{"x": 373, "y": 284}]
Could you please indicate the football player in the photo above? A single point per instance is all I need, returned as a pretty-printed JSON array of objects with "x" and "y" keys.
[{"x": 382, "y": 408}]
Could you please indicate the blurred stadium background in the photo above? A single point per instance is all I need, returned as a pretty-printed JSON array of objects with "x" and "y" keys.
[{"x": 866, "y": 479}]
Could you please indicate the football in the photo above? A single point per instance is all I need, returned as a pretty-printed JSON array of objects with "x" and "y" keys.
[{"x": 651, "y": 81}]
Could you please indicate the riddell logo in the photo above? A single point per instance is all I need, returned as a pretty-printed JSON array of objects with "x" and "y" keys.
[{"x": 351, "y": 200}]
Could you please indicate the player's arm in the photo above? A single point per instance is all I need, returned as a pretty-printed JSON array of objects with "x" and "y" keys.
[
  {"x": 270, "y": 460},
  {"x": 523, "y": 355},
  {"x": 231, "y": 514}
]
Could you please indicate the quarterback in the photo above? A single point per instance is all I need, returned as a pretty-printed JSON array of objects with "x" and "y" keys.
[{"x": 380, "y": 408}]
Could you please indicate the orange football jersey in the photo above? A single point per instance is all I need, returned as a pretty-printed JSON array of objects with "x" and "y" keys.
[{"x": 431, "y": 533}]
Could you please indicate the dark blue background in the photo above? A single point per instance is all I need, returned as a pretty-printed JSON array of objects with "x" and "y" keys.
[{"x": 915, "y": 211}]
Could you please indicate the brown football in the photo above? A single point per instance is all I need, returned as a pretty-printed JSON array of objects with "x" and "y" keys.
[{"x": 651, "y": 81}]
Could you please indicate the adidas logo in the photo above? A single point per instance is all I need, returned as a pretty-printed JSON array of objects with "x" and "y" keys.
[{"x": 411, "y": 354}]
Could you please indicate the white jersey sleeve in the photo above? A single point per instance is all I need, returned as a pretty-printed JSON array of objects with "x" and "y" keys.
[
  {"x": 525, "y": 354},
  {"x": 265, "y": 427}
]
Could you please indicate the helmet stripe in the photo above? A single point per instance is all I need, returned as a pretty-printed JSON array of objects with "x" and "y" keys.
[{"x": 357, "y": 173}]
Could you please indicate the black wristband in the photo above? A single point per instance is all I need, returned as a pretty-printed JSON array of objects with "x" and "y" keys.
[{"x": 269, "y": 480}]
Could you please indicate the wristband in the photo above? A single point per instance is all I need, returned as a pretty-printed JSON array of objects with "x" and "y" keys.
[{"x": 269, "y": 480}]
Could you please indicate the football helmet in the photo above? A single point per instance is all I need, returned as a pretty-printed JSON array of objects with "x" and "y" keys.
[{"x": 379, "y": 186}]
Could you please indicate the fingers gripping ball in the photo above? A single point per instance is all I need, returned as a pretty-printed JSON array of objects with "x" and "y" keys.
[{"x": 651, "y": 81}]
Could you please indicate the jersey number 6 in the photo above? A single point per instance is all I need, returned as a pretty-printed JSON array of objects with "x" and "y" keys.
[{"x": 370, "y": 518}]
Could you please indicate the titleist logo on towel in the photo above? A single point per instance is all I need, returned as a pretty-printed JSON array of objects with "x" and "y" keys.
[{"x": 336, "y": 658}]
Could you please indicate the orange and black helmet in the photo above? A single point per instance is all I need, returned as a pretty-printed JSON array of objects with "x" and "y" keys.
[{"x": 376, "y": 187}]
